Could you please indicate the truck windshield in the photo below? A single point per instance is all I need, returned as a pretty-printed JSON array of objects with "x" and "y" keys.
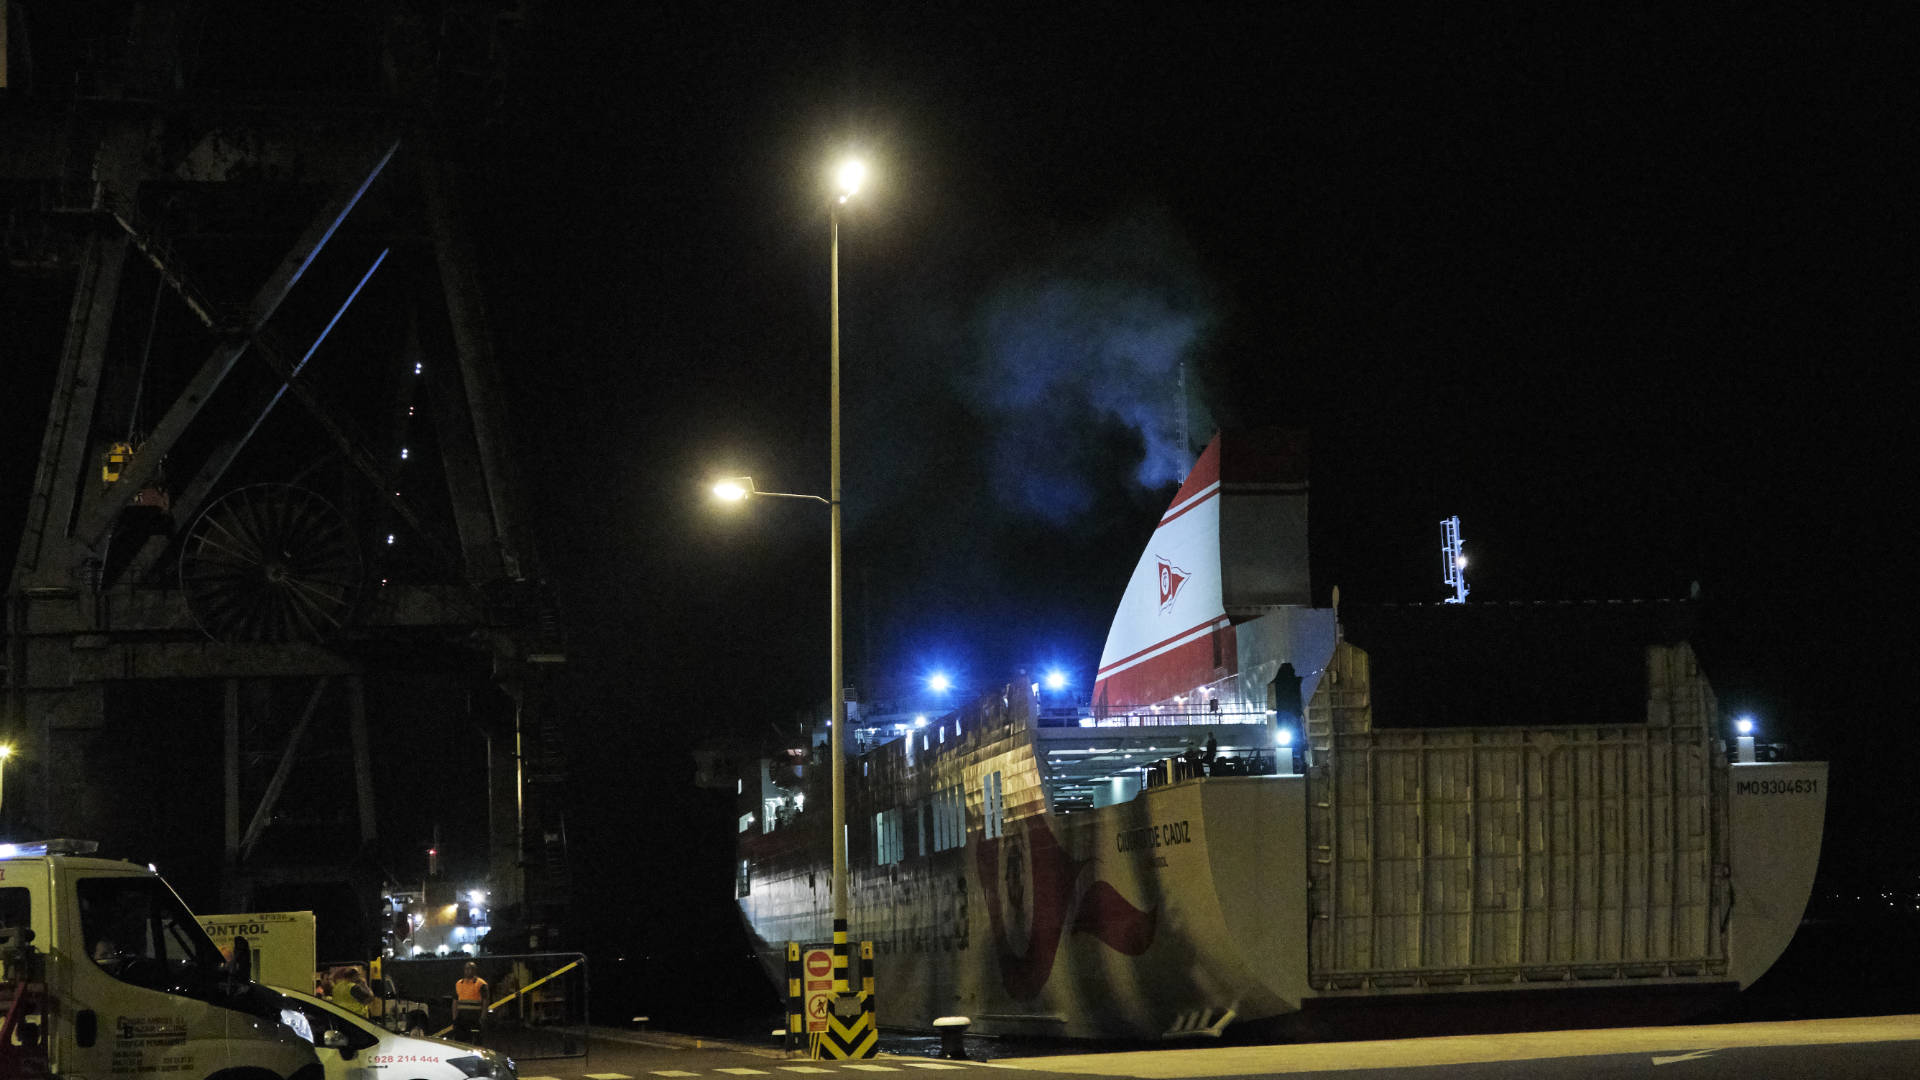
[{"x": 136, "y": 930}]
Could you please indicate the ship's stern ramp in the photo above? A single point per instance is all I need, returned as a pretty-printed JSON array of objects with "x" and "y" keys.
[
  {"x": 1517, "y": 853},
  {"x": 1778, "y": 811}
]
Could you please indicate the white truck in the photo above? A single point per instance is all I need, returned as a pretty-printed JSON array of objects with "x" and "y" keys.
[{"x": 104, "y": 973}]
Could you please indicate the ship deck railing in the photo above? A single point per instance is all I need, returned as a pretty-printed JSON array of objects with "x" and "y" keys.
[{"x": 1152, "y": 716}]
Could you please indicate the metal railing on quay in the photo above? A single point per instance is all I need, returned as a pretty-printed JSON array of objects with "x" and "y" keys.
[{"x": 535, "y": 1003}]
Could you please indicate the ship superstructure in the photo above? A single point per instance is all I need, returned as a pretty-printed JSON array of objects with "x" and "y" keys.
[{"x": 1268, "y": 808}]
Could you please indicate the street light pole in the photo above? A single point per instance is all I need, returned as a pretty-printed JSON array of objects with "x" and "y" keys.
[
  {"x": 738, "y": 488},
  {"x": 837, "y": 742}
]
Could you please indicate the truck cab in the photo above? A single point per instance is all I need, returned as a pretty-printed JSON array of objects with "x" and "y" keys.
[{"x": 104, "y": 972}]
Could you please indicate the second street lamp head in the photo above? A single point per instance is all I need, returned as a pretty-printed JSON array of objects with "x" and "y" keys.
[
  {"x": 851, "y": 174},
  {"x": 733, "y": 488}
]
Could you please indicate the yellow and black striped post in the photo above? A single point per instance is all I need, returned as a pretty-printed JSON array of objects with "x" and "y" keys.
[
  {"x": 796, "y": 1000},
  {"x": 856, "y": 1035},
  {"x": 866, "y": 973},
  {"x": 841, "y": 986}
]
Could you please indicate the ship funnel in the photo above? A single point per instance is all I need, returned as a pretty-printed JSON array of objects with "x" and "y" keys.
[{"x": 1232, "y": 543}]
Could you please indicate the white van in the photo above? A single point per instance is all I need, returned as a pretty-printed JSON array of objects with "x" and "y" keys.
[
  {"x": 352, "y": 1046},
  {"x": 104, "y": 972}
]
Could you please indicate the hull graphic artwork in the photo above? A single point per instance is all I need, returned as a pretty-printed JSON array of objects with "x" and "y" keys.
[
  {"x": 1270, "y": 813},
  {"x": 1036, "y": 894}
]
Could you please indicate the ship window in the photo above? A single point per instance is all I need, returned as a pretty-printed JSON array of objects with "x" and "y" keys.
[
  {"x": 746, "y": 822},
  {"x": 992, "y": 807},
  {"x": 889, "y": 837},
  {"x": 949, "y": 818},
  {"x": 956, "y": 816},
  {"x": 743, "y": 881},
  {"x": 942, "y": 819}
]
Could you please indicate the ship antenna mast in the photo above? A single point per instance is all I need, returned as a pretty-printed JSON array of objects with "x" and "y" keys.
[{"x": 1453, "y": 560}]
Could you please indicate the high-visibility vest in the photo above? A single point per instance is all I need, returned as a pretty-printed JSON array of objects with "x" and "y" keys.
[
  {"x": 342, "y": 995},
  {"x": 469, "y": 992}
]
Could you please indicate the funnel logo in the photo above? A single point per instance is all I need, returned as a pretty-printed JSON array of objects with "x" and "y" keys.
[
  {"x": 1171, "y": 578},
  {"x": 1036, "y": 895}
]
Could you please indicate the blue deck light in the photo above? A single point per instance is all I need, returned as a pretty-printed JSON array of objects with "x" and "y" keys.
[{"x": 1056, "y": 679}]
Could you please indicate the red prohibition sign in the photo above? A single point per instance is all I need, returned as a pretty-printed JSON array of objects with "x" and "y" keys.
[
  {"x": 819, "y": 964},
  {"x": 818, "y": 1007}
]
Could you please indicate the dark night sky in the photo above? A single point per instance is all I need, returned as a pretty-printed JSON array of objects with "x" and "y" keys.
[
  {"x": 1629, "y": 293},
  {"x": 1630, "y": 290}
]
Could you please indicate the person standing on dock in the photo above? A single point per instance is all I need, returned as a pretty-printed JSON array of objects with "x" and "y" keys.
[{"x": 469, "y": 1006}]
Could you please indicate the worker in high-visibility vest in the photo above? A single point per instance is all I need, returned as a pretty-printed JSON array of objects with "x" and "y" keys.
[
  {"x": 350, "y": 992},
  {"x": 469, "y": 1005}
]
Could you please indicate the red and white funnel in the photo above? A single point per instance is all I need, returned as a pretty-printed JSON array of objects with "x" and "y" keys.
[{"x": 1232, "y": 542}]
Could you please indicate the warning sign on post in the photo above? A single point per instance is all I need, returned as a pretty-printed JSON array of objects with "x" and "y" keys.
[{"x": 816, "y": 973}]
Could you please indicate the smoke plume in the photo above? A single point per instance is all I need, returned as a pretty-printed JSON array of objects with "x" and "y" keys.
[{"x": 1091, "y": 341}]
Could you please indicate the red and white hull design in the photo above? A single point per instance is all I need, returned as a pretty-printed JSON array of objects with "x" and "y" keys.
[{"x": 1091, "y": 872}]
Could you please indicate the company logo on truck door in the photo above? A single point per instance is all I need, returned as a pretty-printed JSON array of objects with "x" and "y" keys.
[{"x": 1035, "y": 893}]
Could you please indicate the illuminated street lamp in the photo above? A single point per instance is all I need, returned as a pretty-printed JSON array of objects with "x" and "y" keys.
[
  {"x": 848, "y": 178},
  {"x": 740, "y": 489}
]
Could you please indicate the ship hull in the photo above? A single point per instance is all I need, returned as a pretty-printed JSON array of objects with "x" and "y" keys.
[
  {"x": 1177, "y": 912},
  {"x": 1582, "y": 877}
]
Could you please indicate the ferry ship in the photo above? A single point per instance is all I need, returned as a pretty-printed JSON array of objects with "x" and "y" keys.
[{"x": 1272, "y": 814}]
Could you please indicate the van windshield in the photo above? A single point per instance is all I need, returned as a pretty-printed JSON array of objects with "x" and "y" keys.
[{"x": 136, "y": 930}]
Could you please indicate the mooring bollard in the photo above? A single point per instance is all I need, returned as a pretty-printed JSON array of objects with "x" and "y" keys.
[
  {"x": 953, "y": 1033},
  {"x": 640, "y": 1022}
]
